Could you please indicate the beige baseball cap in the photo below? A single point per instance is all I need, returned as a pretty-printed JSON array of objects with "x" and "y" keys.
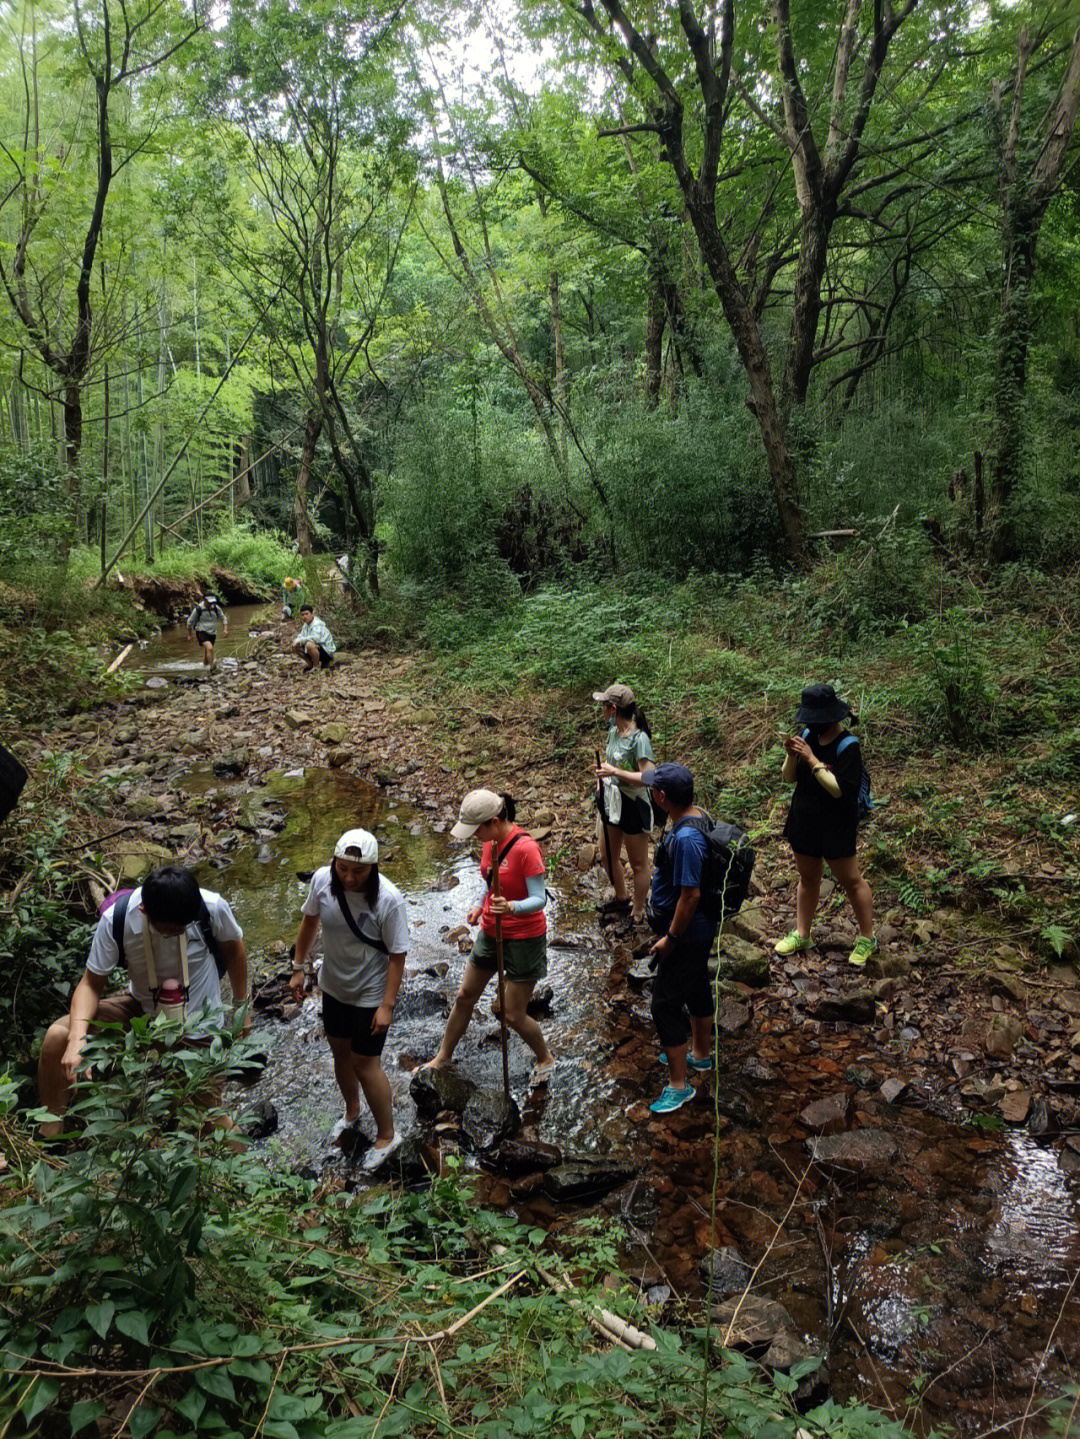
[
  {"x": 360, "y": 840},
  {"x": 621, "y": 695},
  {"x": 478, "y": 806}
]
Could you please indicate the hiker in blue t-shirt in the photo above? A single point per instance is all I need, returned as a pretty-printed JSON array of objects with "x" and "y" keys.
[{"x": 686, "y": 935}]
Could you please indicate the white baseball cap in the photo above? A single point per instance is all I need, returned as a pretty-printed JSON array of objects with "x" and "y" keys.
[
  {"x": 478, "y": 806},
  {"x": 359, "y": 840}
]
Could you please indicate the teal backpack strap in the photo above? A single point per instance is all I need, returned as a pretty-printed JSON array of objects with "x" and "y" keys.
[{"x": 849, "y": 739}]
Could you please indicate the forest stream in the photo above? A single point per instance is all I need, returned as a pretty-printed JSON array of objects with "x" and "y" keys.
[{"x": 928, "y": 1251}]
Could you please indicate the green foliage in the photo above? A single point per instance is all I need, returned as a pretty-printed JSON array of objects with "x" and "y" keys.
[
  {"x": 870, "y": 588},
  {"x": 35, "y": 510},
  {"x": 952, "y": 695},
  {"x": 240, "y": 1293}
]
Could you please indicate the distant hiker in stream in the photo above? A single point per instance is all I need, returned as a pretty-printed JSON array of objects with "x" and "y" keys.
[
  {"x": 176, "y": 941},
  {"x": 202, "y": 622},
  {"x": 314, "y": 644},
  {"x": 292, "y": 596},
  {"x": 365, "y": 938},
  {"x": 626, "y": 814},
  {"x": 489, "y": 817},
  {"x": 832, "y": 791},
  {"x": 686, "y": 929}
]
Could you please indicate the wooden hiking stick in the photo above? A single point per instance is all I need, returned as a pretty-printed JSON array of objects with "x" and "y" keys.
[
  {"x": 496, "y": 894},
  {"x": 603, "y": 819}
]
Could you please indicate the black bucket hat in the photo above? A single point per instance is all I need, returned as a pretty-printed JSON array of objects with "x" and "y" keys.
[{"x": 820, "y": 705}]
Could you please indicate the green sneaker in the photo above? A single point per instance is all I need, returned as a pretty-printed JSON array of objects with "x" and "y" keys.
[
  {"x": 864, "y": 948},
  {"x": 792, "y": 943}
]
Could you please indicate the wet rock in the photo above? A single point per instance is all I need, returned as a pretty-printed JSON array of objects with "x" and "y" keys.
[
  {"x": 658, "y": 1294},
  {"x": 444, "y": 882},
  {"x": 863, "y": 1151},
  {"x": 489, "y": 1117},
  {"x": 1003, "y": 1035},
  {"x": 756, "y": 1071},
  {"x": 1016, "y": 1106},
  {"x": 585, "y": 1178},
  {"x": 296, "y": 719},
  {"x": 408, "y": 1162},
  {"x": 982, "y": 1091},
  {"x": 435, "y": 1089},
  {"x": 731, "y": 1017},
  {"x": 893, "y": 1089},
  {"x": 338, "y": 758},
  {"x": 261, "y": 1120},
  {"x": 855, "y": 1007},
  {"x": 1042, "y": 1121},
  {"x": 421, "y": 1004},
  {"x": 332, "y": 733},
  {"x": 525, "y": 1156},
  {"x": 734, "y": 1105},
  {"x": 725, "y": 1271},
  {"x": 750, "y": 1322},
  {"x": 254, "y": 1059},
  {"x": 828, "y": 1115},
  {"x": 787, "y": 1350},
  {"x": 742, "y": 962},
  {"x": 233, "y": 761}
]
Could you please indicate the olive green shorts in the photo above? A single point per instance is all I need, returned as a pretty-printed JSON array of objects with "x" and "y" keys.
[{"x": 524, "y": 960}]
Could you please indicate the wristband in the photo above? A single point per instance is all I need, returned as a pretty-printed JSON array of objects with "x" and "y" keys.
[{"x": 674, "y": 937}]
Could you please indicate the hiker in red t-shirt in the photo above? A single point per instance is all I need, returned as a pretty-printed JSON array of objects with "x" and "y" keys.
[{"x": 490, "y": 817}]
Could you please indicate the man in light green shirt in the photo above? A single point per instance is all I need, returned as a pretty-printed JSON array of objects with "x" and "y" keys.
[{"x": 314, "y": 644}]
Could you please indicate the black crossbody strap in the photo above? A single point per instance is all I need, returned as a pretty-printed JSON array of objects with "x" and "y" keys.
[
  {"x": 338, "y": 891},
  {"x": 520, "y": 835}
]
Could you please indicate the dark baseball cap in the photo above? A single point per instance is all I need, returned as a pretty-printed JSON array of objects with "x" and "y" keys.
[{"x": 674, "y": 779}]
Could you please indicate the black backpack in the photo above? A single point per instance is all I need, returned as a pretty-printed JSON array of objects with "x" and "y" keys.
[
  {"x": 119, "y": 908},
  {"x": 725, "y": 879}
]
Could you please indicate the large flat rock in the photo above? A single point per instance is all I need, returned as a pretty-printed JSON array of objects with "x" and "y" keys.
[{"x": 861, "y": 1151}]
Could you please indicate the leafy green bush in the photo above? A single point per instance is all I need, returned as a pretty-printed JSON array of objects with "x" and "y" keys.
[
  {"x": 872, "y": 587},
  {"x": 35, "y": 509},
  {"x": 951, "y": 694}
]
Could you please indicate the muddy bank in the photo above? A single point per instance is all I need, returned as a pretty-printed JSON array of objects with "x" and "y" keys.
[
  {"x": 164, "y": 593},
  {"x": 895, "y": 1237}
]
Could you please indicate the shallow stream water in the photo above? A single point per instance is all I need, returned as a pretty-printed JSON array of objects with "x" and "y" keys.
[{"x": 942, "y": 1287}]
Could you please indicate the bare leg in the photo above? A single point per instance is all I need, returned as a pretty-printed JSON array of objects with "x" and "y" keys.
[
  {"x": 346, "y": 1076},
  {"x": 53, "y": 1087},
  {"x": 472, "y": 987},
  {"x": 612, "y": 869},
  {"x": 208, "y": 654},
  {"x": 860, "y": 895},
  {"x": 806, "y": 896},
  {"x": 299, "y": 649},
  {"x": 637, "y": 852},
  {"x": 311, "y": 655},
  {"x": 517, "y": 997},
  {"x": 676, "y": 1059},
  {"x": 369, "y": 1071},
  {"x": 701, "y": 1040}
]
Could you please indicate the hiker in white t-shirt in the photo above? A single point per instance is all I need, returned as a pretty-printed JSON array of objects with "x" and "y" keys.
[
  {"x": 164, "y": 926},
  {"x": 365, "y": 936}
]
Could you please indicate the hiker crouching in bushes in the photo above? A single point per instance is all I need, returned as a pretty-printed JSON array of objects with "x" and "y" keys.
[
  {"x": 825, "y": 763},
  {"x": 314, "y": 644},
  {"x": 292, "y": 595},
  {"x": 365, "y": 930},
  {"x": 687, "y": 930},
  {"x": 625, "y": 812},
  {"x": 522, "y": 896},
  {"x": 176, "y": 940},
  {"x": 202, "y": 622}
]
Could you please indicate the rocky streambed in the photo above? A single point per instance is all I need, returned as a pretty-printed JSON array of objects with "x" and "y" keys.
[{"x": 895, "y": 1156}]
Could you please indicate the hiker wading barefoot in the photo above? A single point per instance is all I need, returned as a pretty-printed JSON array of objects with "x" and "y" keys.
[
  {"x": 202, "y": 623},
  {"x": 365, "y": 931},
  {"x": 628, "y": 757},
  {"x": 825, "y": 763},
  {"x": 490, "y": 817}
]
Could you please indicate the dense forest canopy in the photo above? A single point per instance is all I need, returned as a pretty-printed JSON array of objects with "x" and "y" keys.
[{"x": 646, "y": 287}]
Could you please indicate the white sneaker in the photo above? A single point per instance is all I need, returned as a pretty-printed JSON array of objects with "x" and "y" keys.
[
  {"x": 373, "y": 1159},
  {"x": 340, "y": 1129}
]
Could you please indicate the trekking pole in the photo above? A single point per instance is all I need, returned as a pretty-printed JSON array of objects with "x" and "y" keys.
[
  {"x": 496, "y": 894},
  {"x": 603, "y": 819}
]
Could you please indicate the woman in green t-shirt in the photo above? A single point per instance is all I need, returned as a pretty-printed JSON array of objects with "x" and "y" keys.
[{"x": 628, "y": 755}]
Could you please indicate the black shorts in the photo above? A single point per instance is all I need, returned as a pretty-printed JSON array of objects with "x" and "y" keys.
[
  {"x": 636, "y": 816},
  {"x": 349, "y": 1021},
  {"x": 325, "y": 658},
  {"x": 205, "y": 637}
]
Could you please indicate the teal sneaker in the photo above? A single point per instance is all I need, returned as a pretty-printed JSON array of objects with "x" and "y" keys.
[
  {"x": 865, "y": 946},
  {"x": 792, "y": 943},
  {"x": 701, "y": 1065},
  {"x": 672, "y": 1099}
]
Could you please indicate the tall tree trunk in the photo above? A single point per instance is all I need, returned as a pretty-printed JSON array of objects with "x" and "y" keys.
[
  {"x": 655, "y": 324},
  {"x": 312, "y": 430},
  {"x": 560, "y": 364},
  {"x": 806, "y": 306},
  {"x": 1010, "y": 380}
]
